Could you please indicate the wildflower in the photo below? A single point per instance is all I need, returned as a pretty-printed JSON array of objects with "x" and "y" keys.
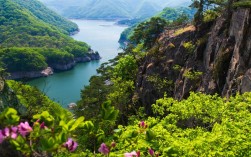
[
  {"x": 103, "y": 149},
  {"x": 71, "y": 145},
  {"x": 2, "y": 137},
  {"x": 42, "y": 125},
  {"x": 6, "y": 132},
  {"x": 151, "y": 152},
  {"x": 132, "y": 154},
  {"x": 13, "y": 132},
  {"x": 142, "y": 124},
  {"x": 24, "y": 128}
]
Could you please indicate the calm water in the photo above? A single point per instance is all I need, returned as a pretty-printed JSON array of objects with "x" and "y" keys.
[{"x": 65, "y": 87}]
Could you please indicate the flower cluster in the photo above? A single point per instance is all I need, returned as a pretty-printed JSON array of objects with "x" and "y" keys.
[
  {"x": 104, "y": 149},
  {"x": 71, "y": 145},
  {"x": 12, "y": 132}
]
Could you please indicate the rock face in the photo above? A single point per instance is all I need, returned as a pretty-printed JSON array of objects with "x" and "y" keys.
[
  {"x": 31, "y": 74},
  {"x": 219, "y": 61}
]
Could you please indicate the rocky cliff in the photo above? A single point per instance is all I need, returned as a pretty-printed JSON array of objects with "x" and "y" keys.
[{"x": 215, "y": 58}]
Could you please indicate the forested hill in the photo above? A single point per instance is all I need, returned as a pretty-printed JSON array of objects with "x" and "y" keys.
[
  {"x": 43, "y": 13},
  {"x": 24, "y": 34},
  {"x": 168, "y": 13}
]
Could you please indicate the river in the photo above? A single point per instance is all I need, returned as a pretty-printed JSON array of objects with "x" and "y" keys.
[{"x": 65, "y": 87}]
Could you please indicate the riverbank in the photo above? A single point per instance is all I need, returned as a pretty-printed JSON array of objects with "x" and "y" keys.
[{"x": 91, "y": 56}]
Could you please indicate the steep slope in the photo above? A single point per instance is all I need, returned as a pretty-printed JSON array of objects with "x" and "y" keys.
[
  {"x": 111, "y": 9},
  {"x": 213, "y": 59},
  {"x": 47, "y": 15},
  {"x": 32, "y": 44}
]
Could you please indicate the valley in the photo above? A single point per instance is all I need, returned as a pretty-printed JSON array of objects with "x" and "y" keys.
[{"x": 64, "y": 87}]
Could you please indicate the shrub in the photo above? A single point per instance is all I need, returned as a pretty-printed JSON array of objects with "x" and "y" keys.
[
  {"x": 189, "y": 46},
  {"x": 192, "y": 75}
]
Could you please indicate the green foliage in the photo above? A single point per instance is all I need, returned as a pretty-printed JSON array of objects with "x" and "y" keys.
[
  {"x": 108, "y": 112},
  {"x": 189, "y": 46},
  {"x": 44, "y": 14},
  {"x": 210, "y": 15},
  {"x": 172, "y": 14},
  {"x": 138, "y": 52},
  {"x": 36, "y": 102},
  {"x": 55, "y": 56},
  {"x": 9, "y": 117},
  {"x": 177, "y": 67},
  {"x": 202, "y": 125},
  {"x": 22, "y": 59},
  {"x": 126, "y": 68},
  {"x": 181, "y": 20},
  {"x": 106, "y": 101},
  {"x": 161, "y": 84},
  {"x": 148, "y": 32},
  {"x": 243, "y": 3},
  {"x": 192, "y": 75}
]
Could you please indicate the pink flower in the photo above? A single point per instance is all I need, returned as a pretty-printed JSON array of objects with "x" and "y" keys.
[
  {"x": 6, "y": 132},
  {"x": 132, "y": 154},
  {"x": 2, "y": 137},
  {"x": 151, "y": 152},
  {"x": 42, "y": 125},
  {"x": 24, "y": 128},
  {"x": 71, "y": 145},
  {"x": 13, "y": 132},
  {"x": 103, "y": 149},
  {"x": 142, "y": 124}
]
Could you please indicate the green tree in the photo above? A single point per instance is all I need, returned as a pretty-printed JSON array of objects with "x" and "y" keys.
[{"x": 148, "y": 32}]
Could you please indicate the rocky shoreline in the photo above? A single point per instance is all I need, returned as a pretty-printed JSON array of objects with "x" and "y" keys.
[{"x": 50, "y": 69}]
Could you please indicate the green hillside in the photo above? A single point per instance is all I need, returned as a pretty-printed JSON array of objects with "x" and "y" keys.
[
  {"x": 21, "y": 27},
  {"x": 47, "y": 15},
  {"x": 170, "y": 14}
]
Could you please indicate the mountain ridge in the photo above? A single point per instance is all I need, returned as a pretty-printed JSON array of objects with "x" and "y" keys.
[{"x": 108, "y": 9}]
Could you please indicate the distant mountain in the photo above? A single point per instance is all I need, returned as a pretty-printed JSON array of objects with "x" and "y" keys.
[{"x": 111, "y": 9}]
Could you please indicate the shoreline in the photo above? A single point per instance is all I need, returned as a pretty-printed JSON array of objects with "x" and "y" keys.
[{"x": 19, "y": 75}]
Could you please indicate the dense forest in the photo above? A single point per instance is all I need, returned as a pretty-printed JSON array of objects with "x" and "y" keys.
[
  {"x": 173, "y": 91},
  {"x": 27, "y": 30}
]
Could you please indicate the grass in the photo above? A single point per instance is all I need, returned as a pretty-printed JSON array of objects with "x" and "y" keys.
[{"x": 183, "y": 30}]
